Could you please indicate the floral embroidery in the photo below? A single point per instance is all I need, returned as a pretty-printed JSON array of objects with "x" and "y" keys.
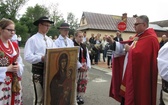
[
  {"x": 82, "y": 85},
  {"x": 4, "y": 61},
  {"x": 17, "y": 101},
  {"x": 5, "y": 97},
  {"x": 8, "y": 80},
  {"x": 6, "y": 89}
]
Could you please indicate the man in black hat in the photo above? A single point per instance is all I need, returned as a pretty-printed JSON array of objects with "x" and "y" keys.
[{"x": 34, "y": 53}]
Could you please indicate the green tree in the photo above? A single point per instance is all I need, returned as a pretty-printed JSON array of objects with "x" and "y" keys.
[
  {"x": 36, "y": 12},
  {"x": 28, "y": 22},
  {"x": 55, "y": 15},
  {"x": 31, "y": 15},
  {"x": 72, "y": 22},
  {"x": 3, "y": 13},
  {"x": 54, "y": 31},
  {"x": 10, "y": 8},
  {"x": 21, "y": 29}
]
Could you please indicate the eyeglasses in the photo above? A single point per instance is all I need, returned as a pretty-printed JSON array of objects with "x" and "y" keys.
[
  {"x": 137, "y": 24},
  {"x": 65, "y": 29},
  {"x": 10, "y": 30},
  {"x": 48, "y": 26}
]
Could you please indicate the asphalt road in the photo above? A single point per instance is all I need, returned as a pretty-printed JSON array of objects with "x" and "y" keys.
[{"x": 98, "y": 89}]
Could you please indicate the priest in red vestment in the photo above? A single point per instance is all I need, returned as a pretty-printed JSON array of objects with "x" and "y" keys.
[{"x": 134, "y": 73}]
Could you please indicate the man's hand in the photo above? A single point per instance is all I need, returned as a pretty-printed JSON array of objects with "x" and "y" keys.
[
  {"x": 42, "y": 58},
  {"x": 127, "y": 47}
]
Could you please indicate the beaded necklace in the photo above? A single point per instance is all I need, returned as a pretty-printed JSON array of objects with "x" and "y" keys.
[{"x": 10, "y": 50}]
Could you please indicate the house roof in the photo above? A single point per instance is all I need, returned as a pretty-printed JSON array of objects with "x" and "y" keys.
[
  {"x": 157, "y": 27},
  {"x": 109, "y": 22},
  {"x": 163, "y": 23},
  {"x": 105, "y": 22}
]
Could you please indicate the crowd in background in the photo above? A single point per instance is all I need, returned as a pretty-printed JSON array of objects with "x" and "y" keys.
[{"x": 98, "y": 45}]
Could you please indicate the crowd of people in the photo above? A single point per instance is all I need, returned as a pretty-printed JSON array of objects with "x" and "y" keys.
[
  {"x": 97, "y": 46},
  {"x": 135, "y": 65}
]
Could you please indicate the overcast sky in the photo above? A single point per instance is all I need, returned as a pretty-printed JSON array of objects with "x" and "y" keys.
[{"x": 156, "y": 10}]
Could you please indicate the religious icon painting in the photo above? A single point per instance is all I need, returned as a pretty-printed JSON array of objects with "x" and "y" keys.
[{"x": 60, "y": 76}]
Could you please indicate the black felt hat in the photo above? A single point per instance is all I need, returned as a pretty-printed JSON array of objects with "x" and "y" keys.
[
  {"x": 42, "y": 19},
  {"x": 63, "y": 26}
]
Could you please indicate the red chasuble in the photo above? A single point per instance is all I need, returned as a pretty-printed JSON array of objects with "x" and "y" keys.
[
  {"x": 139, "y": 84},
  {"x": 117, "y": 70}
]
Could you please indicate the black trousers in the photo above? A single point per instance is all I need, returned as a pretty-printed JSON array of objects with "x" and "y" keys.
[
  {"x": 91, "y": 58},
  {"x": 104, "y": 56},
  {"x": 109, "y": 60},
  {"x": 165, "y": 89},
  {"x": 122, "y": 101},
  {"x": 96, "y": 58},
  {"x": 37, "y": 78},
  {"x": 161, "y": 100}
]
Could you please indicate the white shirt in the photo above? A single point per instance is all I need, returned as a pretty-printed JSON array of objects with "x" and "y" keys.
[
  {"x": 3, "y": 70},
  {"x": 19, "y": 38},
  {"x": 104, "y": 42},
  {"x": 119, "y": 51},
  {"x": 97, "y": 41},
  {"x": 60, "y": 42},
  {"x": 87, "y": 58},
  {"x": 36, "y": 46},
  {"x": 163, "y": 62},
  {"x": 84, "y": 39},
  {"x": 14, "y": 38}
]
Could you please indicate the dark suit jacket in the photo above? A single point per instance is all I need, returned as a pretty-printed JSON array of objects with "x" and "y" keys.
[{"x": 116, "y": 39}]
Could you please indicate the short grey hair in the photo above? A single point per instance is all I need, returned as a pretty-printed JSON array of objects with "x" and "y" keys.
[{"x": 144, "y": 18}]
